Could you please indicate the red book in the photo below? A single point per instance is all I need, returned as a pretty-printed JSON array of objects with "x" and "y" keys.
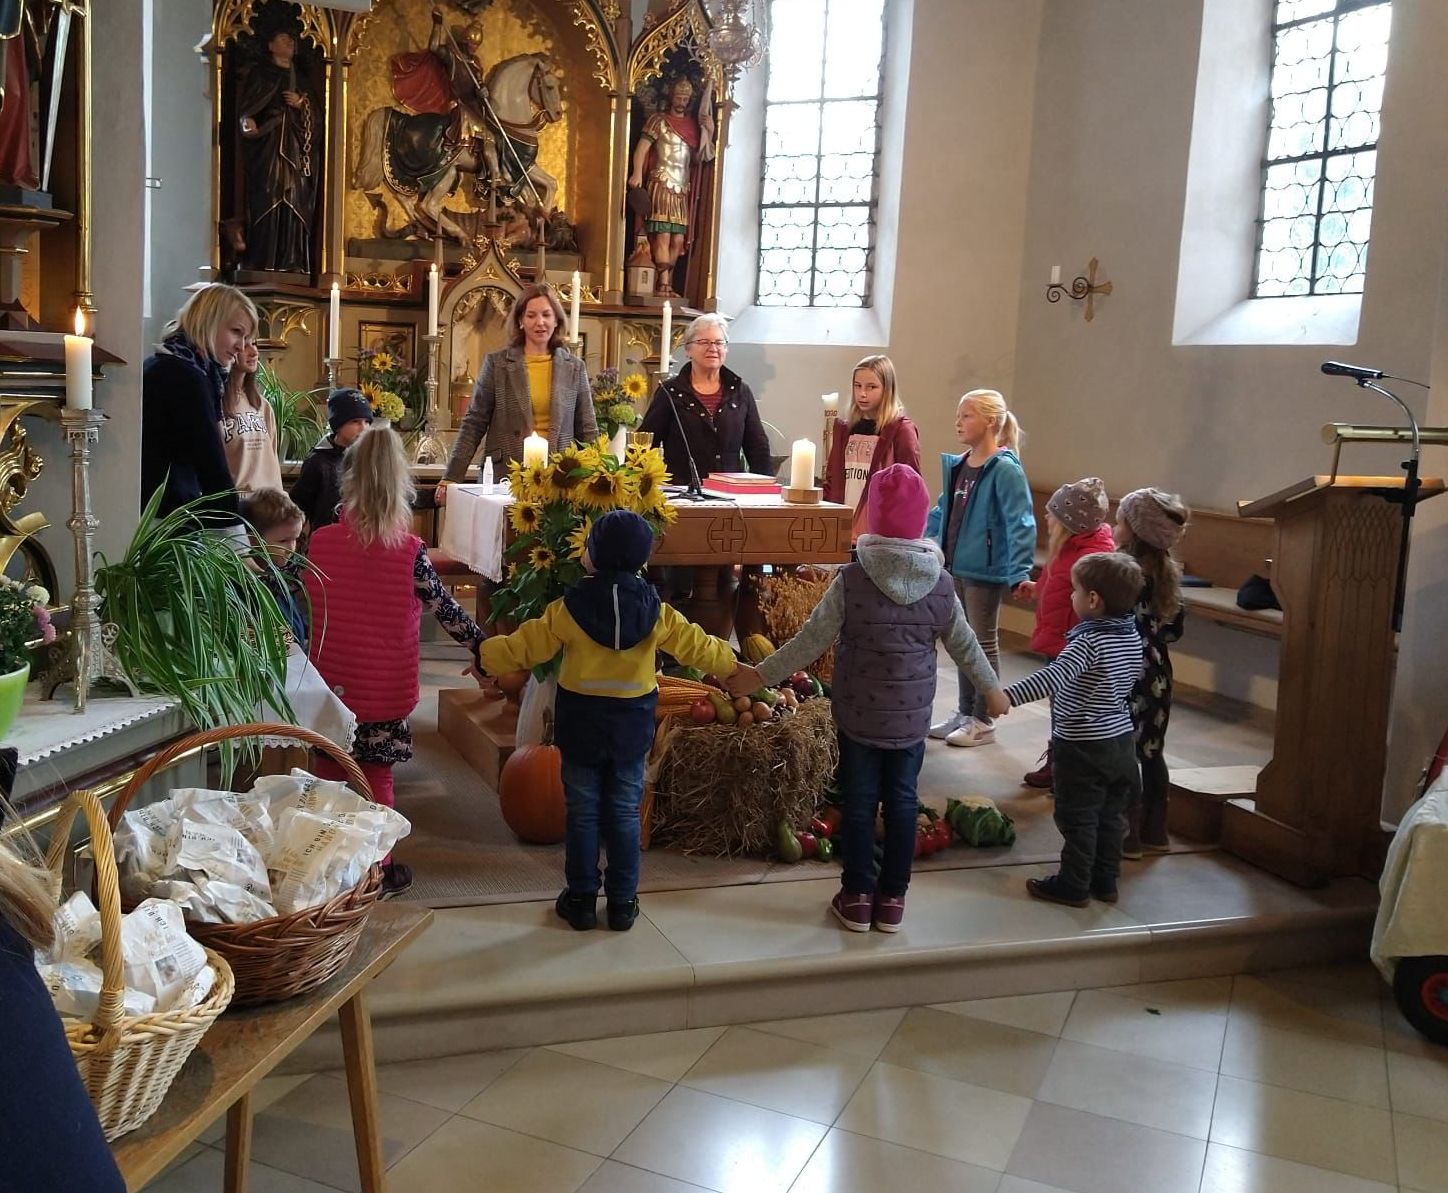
[{"x": 742, "y": 483}]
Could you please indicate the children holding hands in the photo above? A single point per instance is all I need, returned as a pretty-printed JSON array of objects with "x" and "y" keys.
[{"x": 884, "y": 614}]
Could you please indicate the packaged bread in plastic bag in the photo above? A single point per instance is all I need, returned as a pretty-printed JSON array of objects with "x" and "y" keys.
[
  {"x": 316, "y": 857},
  {"x": 77, "y": 929},
  {"x": 75, "y": 988},
  {"x": 160, "y": 959}
]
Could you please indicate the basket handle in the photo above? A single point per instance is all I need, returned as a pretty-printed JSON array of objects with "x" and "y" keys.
[
  {"x": 110, "y": 1010},
  {"x": 208, "y": 737}
]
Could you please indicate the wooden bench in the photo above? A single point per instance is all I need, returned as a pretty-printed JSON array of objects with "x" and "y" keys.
[{"x": 1221, "y": 548}]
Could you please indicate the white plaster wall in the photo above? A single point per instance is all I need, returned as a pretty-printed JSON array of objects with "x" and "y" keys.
[{"x": 959, "y": 143}]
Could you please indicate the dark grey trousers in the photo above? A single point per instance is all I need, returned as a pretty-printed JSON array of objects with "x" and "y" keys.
[{"x": 1095, "y": 782}]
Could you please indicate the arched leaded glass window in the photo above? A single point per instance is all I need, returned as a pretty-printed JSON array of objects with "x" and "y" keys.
[
  {"x": 821, "y": 153},
  {"x": 1330, "y": 58}
]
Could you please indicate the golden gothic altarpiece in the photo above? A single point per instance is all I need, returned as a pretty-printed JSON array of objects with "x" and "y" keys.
[{"x": 500, "y": 141}]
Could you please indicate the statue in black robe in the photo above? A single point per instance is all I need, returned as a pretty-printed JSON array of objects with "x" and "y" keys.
[{"x": 281, "y": 134}]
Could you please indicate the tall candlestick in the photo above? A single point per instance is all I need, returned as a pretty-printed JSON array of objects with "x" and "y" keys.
[
  {"x": 802, "y": 464},
  {"x": 831, "y": 403},
  {"x": 78, "y": 391},
  {"x": 535, "y": 451},
  {"x": 666, "y": 337},
  {"x": 432, "y": 281},
  {"x": 1055, "y": 275},
  {"x": 334, "y": 324},
  {"x": 573, "y": 306}
]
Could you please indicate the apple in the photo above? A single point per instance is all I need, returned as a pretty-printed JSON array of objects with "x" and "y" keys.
[
  {"x": 702, "y": 712},
  {"x": 808, "y": 842}
]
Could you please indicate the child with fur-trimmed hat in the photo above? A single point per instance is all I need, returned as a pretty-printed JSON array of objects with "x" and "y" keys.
[
  {"x": 1076, "y": 525},
  {"x": 609, "y": 626},
  {"x": 885, "y": 615}
]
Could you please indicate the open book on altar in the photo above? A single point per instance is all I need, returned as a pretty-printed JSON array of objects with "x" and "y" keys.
[{"x": 741, "y": 483}]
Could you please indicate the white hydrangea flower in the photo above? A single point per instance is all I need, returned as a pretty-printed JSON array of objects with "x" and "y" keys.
[{"x": 38, "y": 594}]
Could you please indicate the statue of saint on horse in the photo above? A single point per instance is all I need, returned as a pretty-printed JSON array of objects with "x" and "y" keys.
[{"x": 456, "y": 121}]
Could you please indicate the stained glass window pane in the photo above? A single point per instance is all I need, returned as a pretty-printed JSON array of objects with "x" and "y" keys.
[
  {"x": 821, "y": 153},
  {"x": 1329, "y": 61}
]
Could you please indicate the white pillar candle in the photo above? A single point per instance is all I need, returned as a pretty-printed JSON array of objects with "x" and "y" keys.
[
  {"x": 535, "y": 451},
  {"x": 831, "y": 403},
  {"x": 1055, "y": 275},
  {"x": 666, "y": 337},
  {"x": 334, "y": 325},
  {"x": 573, "y": 306},
  {"x": 802, "y": 464},
  {"x": 78, "y": 366},
  {"x": 432, "y": 283}
]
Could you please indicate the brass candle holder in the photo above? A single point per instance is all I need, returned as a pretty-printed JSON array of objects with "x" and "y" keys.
[{"x": 1086, "y": 287}]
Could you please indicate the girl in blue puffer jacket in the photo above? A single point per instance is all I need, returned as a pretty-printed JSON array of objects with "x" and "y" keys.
[{"x": 986, "y": 527}]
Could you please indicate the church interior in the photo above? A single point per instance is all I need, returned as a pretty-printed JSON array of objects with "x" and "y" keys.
[{"x": 463, "y": 297}]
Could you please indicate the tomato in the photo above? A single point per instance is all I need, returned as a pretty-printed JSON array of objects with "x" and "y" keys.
[{"x": 820, "y": 828}]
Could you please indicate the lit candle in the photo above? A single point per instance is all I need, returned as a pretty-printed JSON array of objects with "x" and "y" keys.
[
  {"x": 666, "y": 337},
  {"x": 334, "y": 325},
  {"x": 432, "y": 281},
  {"x": 78, "y": 366},
  {"x": 832, "y": 403},
  {"x": 535, "y": 451},
  {"x": 802, "y": 464},
  {"x": 1055, "y": 275},
  {"x": 573, "y": 306}
]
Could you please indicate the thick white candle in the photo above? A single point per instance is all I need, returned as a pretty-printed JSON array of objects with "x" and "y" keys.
[
  {"x": 573, "y": 306},
  {"x": 832, "y": 403},
  {"x": 432, "y": 281},
  {"x": 78, "y": 366},
  {"x": 1055, "y": 275},
  {"x": 666, "y": 337},
  {"x": 802, "y": 464},
  {"x": 334, "y": 325},
  {"x": 535, "y": 451}
]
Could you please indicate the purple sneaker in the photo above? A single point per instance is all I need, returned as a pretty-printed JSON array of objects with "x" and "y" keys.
[
  {"x": 853, "y": 911},
  {"x": 889, "y": 913}
]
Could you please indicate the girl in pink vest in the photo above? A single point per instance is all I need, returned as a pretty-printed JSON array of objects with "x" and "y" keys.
[
  {"x": 369, "y": 583},
  {"x": 1076, "y": 526}
]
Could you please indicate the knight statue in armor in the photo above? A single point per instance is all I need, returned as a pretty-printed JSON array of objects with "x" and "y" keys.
[{"x": 666, "y": 163}]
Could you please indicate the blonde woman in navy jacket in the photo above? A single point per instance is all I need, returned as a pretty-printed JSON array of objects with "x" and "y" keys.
[{"x": 986, "y": 527}]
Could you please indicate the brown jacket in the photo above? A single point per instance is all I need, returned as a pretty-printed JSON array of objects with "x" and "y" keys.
[{"x": 502, "y": 411}]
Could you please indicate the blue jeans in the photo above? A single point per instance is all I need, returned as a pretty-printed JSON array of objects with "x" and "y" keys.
[
  {"x": 603, "y": 808},
  {"x": 871, "y": 777}
]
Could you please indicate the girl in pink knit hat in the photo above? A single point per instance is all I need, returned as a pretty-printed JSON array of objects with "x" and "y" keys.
[
  {"x": 1149, "y": 523},
  {"x": 1075, "y": 526}
]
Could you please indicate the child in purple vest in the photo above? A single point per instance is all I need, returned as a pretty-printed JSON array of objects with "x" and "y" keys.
[{"x": 885, "y": 615}]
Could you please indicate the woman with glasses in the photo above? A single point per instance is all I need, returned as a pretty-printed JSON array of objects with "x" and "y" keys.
[
  {"x": 722, "y": 430},
  {"x": 716, "y": 409}
]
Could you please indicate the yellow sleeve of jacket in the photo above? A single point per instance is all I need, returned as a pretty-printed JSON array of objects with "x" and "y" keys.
[
  {"x": 681, "y": 638},
  {"x": 532, "y": 643}
]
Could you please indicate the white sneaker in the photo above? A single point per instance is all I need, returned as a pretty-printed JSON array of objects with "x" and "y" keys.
[
  {"x": 972, "y": 733},
  {"x": 948, "y": 726}
]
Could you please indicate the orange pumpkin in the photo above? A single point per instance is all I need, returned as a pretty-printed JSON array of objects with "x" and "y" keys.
[{"x": 530, "y": 794}]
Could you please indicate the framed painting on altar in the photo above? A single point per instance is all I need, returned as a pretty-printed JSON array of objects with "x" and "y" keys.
[{"x": 398, "y": 340}]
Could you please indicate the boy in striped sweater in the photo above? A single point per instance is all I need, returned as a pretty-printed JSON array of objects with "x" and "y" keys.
[{"x": 1092, "y": 738}]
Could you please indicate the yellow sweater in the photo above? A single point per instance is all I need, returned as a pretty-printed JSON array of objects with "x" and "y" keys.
[
  {"x": 593, "y": 670},
  {"x": 540, "y": 390}
]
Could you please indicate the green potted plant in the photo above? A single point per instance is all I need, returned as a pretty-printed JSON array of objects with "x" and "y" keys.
[
  {"x": 294, "y": 411},
  {"x": 194, "y": 620},
  {"x": 23, "y": 618}
]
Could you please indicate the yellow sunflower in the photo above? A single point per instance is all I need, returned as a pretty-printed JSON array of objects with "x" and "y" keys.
[
  {"x": 560, "y": 472},
  {"x": 542, "y": 558},
  {"x": 590, "y": 457},
  {"x": 535, "y": 482},
  {"x": 515, "y": 479},
  {"x": 666, "y": 514},
  {"x": 635, "y": 386},
  {"x": 600, "y": 491},
  {"x": 650, "y": 477},
  {"x": 578, "y": 540},
  {"x": 384, "y": 362},
  {"x": 525, "y": 516},
  {"x": 372, "y": 392}
]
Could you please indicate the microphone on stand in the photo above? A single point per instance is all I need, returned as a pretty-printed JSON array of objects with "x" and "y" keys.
[
  {"x": 1335, "y": 368},
  {"x": 695, "y": 490}
]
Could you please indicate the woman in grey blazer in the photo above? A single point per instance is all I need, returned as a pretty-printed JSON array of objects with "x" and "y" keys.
[{"x": 509, "y": 400}]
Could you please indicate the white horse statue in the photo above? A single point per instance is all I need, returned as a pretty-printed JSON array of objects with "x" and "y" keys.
[{"x": 422, "y": 157}]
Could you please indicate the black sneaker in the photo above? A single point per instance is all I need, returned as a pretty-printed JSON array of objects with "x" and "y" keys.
[
  {"x": 1053, "y": 890},
  {"x": 1104, "y": 893},
  {"x": 396, "y": 878},
  {"x": 581, "y": 911},
  {"x": 621, "y": 916}
]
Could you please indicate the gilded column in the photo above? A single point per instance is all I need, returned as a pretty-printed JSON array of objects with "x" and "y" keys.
[
  {"x": 84, "y": 297},
  {"x": 711, "y": 272},
  {"x": 333, "y": 244}
]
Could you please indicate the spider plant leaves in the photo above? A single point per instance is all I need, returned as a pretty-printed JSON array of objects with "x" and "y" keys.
[{"x": 194, "y": 620}]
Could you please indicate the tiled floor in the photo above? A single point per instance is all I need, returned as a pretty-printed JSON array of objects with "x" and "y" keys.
[{"x": 1301, "y": 1081}]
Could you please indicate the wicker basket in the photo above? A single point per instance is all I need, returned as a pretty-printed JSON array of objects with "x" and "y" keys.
[
  {"x": 127, "y": 1062},
  {"x": 284, "y": 955}
]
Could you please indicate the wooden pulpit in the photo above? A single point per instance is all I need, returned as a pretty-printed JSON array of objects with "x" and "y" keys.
[{"x": 1317, "y": 814}]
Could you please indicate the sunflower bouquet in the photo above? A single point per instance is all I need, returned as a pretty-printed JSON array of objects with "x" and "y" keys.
[
  {"x": 553, "y": 509},
  {"x": 614, "y": 400},
  {"x": 391, "y": 387}
]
